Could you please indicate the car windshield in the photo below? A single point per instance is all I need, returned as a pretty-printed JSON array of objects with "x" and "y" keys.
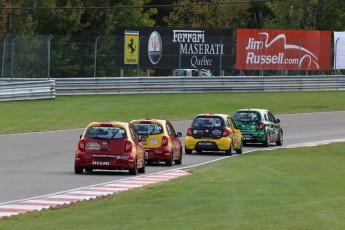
[
  {"x": 148, "y": 129},
  {"x": 247, "y": 116},
  {"x": 209, "y": 122},
  {"x": 106, "y": 133}
]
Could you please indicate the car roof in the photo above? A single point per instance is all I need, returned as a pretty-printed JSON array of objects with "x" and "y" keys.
[
  {"x": 253, "y": 109},
  {"x": 121, "y": 123},
  {"x": 224, "y": 116},
  {"x": 161, "y": 121}
]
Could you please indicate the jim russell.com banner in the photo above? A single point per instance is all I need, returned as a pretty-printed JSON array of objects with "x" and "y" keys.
[{"x": 283, "y": 50}]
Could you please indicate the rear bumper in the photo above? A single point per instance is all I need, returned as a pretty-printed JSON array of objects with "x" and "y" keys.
[
  {"x": 221, "y": 144},
  {"x": 158, "y": 154},
  {"x": 254, "y": 137},
  {"x": 113, "y": 162}
]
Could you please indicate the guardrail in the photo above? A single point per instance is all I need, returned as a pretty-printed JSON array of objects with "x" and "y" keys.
[
  {"x": 27, "y": 89},
  {"x": 142, "y": 85},
  {"x": 30, "y": 89}
]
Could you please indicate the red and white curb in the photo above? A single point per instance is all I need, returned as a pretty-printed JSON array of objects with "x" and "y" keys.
[{"x": 92, "y": 192}]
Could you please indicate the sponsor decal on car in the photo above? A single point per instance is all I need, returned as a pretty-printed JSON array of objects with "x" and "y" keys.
[{"x": 93, "y": 146}]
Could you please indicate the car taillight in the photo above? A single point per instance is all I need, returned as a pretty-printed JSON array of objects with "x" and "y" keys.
[
  {"x": 226, "y": 133},
  {"x": 128, "y": 146},
  {"x": 81, "y": 144},
  {"x": 165, "y": 140},
  {"x": 261, "y": 126},
  {"x": 189, "y": 132}
]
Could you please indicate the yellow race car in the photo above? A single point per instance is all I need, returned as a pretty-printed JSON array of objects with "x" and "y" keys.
[
  {"x": 162, "y": 143},
  {"x": 213, "y": 132}
]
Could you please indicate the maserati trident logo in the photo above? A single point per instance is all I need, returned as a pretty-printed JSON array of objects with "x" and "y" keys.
[{"x": 155, "y": 47}]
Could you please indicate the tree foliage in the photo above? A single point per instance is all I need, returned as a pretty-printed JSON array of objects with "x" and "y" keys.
[{"x": 208, "y": 14}]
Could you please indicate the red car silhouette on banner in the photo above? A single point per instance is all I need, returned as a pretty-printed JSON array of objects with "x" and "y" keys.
[{"x": 283, "y": 50}]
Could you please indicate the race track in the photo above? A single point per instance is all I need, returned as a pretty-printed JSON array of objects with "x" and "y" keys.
[{"x": 37, "y": 164}]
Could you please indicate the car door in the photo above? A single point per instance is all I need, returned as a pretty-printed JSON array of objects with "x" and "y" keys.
[
  {"x": 236, "y": 133},
  {"x": 174, "y": 139},
  {"x": 274, "y": 126},
  {"x": 138, "y": 145}
]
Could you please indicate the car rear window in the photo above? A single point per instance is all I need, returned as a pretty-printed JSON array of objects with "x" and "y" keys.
[
  {"x": 209, "y": 122},
  {"x": 247, "y": 116},
  {"x": 106, "y": 133},
  {"x": 148, "y": 129}
]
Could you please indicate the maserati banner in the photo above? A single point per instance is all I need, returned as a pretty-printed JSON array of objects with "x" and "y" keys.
[
  {"x": 339, "y": 50},
  {"x": 174, "y": 48},
  {"x": 283, "y": 50}
]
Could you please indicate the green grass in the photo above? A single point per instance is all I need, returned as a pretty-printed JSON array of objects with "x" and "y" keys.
[
  {"x": 66, "y": 112},
  {"x": 299, "y": 188},
  {"x": 282, "y": 189}
]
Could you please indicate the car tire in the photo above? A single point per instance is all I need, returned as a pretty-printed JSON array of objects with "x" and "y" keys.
[
  {"x": 143, "y": 168},
  {"x": 188, "y": 151},
  {"x": 88, "y": 170},
  {"x": 170, "y": 161},
  {"x": 134, "y": 170},
  {"x": 179, "y": 161},
  {"x": 280, "y": 138},
  {"x": 230, "y": 151},
  {"x": 78, "y": 170},
  {"x": 267, "y": 141},
  {"x": 240, "y": 150}
]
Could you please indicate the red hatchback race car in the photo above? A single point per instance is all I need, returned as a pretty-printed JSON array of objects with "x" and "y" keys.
[
  {"x": 110, "y": 146},
  {"x": 162, "y": 144}
]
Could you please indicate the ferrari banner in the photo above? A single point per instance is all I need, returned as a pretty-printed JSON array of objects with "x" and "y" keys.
[
  {"x": 131, "y": 54},
  {"x": 283, "y": 50}
]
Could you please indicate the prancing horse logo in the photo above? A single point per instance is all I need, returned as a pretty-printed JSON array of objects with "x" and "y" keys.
[{"x": 131, "y": 46}]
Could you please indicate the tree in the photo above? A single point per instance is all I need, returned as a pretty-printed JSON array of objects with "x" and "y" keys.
[
  {"x": 307, "y": 15},
  {"x": 209, "y": 14}
]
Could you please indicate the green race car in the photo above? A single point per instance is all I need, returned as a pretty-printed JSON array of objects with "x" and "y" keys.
[{"x": 258, "y": 126}]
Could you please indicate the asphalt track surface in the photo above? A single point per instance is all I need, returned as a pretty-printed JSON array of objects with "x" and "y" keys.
[{"x": 37, "y": 164}]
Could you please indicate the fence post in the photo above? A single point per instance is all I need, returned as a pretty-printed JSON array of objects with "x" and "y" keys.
[
  {"x": 3, "y": 56},
  {"x": 50, "y": 37},
  {"x": 95, "y": 59},
  {"x": 12, "y": 61}
]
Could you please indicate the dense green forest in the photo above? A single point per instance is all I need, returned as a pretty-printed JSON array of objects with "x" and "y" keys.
[{"x": 89, "y": 17}]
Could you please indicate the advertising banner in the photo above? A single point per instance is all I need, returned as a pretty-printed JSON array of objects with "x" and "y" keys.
[
  {"x": 339, "y": 50},
  {"x": 131, "y": 54},
  {"x": 175, "y": 48},
  {"x": 283, "y": 50}
]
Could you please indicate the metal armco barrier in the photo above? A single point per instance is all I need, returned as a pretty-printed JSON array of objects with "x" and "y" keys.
[
  {"x": 27, "y": 89},
  {"x": 143, "y": 85},
  {"x": 31, "y": 89}
]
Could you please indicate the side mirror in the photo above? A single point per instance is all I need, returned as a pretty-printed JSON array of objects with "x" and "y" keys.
[
  {"x": 278, "y": 120},
  {"x": 80, "y": 136},
  {"x": 179, "y": 134}
]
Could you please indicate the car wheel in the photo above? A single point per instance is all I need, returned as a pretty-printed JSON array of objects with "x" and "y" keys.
[
  {"x": 230, "y": 151},
  {"x": 240, "y": 150},
  {"x": 78, "y": 170},
  {"x": 170, "y": 161},
  {"x": 143, "y": 168},
  {"x": 134, "y": 170},
  {"x": 267, "y": 141},
  {"x": 88, "y": 170},
  {"x": 179, "y": 161},
  {"x": 280, "y": 138},
  {"x": 188, "y": 151}
]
